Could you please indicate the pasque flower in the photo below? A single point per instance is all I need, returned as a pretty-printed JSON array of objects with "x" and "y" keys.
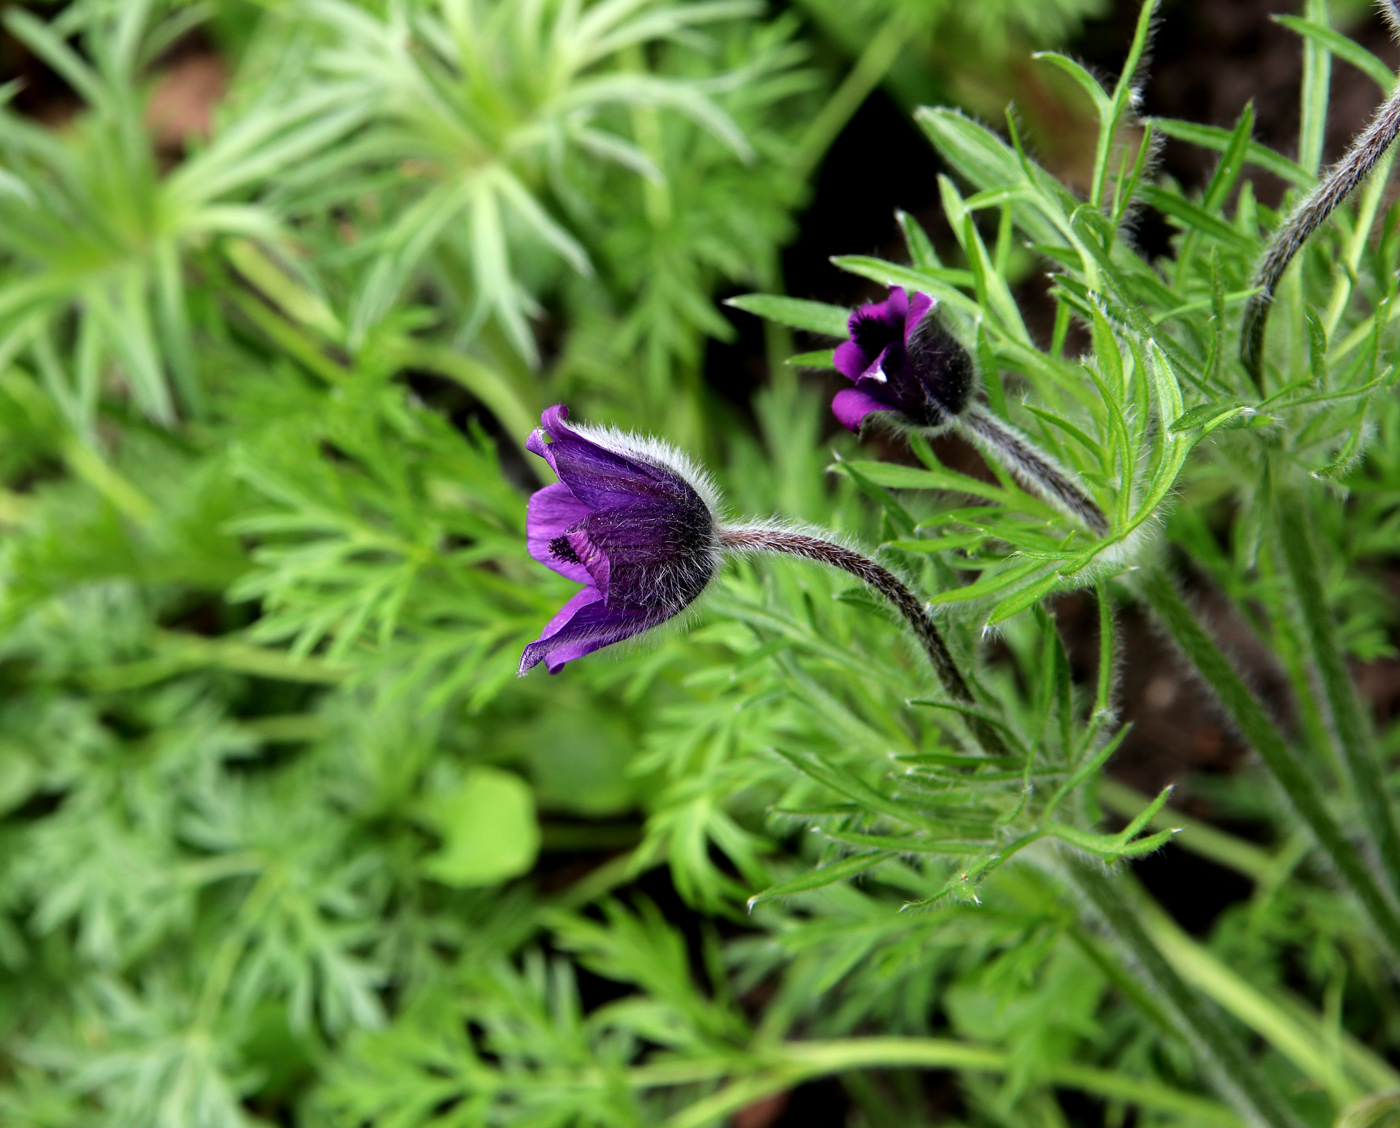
[
  {"x": 630, "y": 519},
  {"x": 638, "y": 525},
  {"x": 903, "y": 362},
  {"x": 911, "y": 372}
]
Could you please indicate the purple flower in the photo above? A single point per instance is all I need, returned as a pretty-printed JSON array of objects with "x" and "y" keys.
[
  {"x": 631, "y": 520},
  {"x": 903, "y": 362}
]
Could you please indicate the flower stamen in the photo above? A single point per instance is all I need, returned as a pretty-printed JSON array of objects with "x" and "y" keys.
[{"x": 561, "y": 549}]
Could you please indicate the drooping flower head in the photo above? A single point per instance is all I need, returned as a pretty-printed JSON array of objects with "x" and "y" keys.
[
  {"x": 904, "y": 363},
  {"x": 630, "y": 519}
]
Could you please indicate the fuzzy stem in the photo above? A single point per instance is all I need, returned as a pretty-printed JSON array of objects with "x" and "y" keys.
[
  {"x": 1219, "y": 1053},
  {"x": 914, "y": 610},
  {"x": 1030, "y": 467},
  {"x": 1363, "y": 762},
  {"x": 1346, "y": 174},
  {"x": 1284, "y": 764}
]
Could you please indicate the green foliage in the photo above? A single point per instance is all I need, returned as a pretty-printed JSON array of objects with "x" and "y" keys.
[{"x": 282, "y": 838}]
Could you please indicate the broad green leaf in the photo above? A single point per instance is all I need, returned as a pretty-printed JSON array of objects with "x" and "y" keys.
[
  {"x": 998, "y": 581},
  {"x": 1348, "y": 50},
  {"x": 1018, "y": 601},
  {"x": 896, "y": 477},
  {"x": 488, "y": 829},
  {"x": 941, "y": 283},
  {"x": 1204, "y": 414},
  {"x": 1193, "y": 217},
  {"x": 1232, "y": 162},
  {"x": 1103, "y": 104},
  {"x": 1123, "y": 95},
  {"x": 912, "y": 844},
  {"x": 986, "y": 161},
  {"x": 916, "y": 239},
  {"x": 1317, "y": 81}
]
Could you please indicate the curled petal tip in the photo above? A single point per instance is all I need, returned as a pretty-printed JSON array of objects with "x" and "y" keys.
[{"x": 851, "y": 406}]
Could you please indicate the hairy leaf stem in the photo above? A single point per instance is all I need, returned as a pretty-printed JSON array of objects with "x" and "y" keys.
[
  {"x": 1359, "y": 756},
  {"x": 1031, "y": 467},
  {"x": 795, "y": 1062},
  {"x": 1222, "y": 1058},
  {"x": 759, "y": 538},
  {"x": 1291, "y": 774},
  {"x": 1345, "y": 176}
]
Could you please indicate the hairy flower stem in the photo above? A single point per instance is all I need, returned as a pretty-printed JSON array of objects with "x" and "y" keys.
[
  {"x": 1030, "y": 467},
  {"x": 778, "y": 1069},
  {"x": 1344, "y": 178},
  {"x": 1362, "y": 760},
  {"x": 914, "y": 610},
  {"x": 1284, "y": 764},
  {"x": 1219, "y": 1052}
]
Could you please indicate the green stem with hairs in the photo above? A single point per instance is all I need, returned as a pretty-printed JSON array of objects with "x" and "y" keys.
[
  {"x": 1222, "y": 1059},
  {"x": 1288, "y": 770},
  {"x": 792, "y": 1063},
  {"x": 1359, "y": 756},
  {"x": 1290, "y": 1026}
]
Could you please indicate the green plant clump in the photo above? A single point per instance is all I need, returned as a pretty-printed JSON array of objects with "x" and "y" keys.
[{"x": 284, "y": 839}]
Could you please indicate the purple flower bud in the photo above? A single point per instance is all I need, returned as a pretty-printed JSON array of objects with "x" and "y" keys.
[
  {"x": 630, "y": 519},
  {"x": 903, "y": 361}
]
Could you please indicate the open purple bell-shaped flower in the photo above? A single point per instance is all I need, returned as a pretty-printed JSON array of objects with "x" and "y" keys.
[
  {"x": 904, "y": 363},
  {"x": 638, "y": 525},
  {"x": 631, "y": 520}
]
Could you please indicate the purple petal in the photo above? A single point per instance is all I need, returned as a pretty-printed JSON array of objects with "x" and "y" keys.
[
  {"x": 630, "y": 527},
  {"x": 892, "y": 311},
  {"x": 850, "y": 360},
  {"x": 873, "y": 328},
  {"x": 851, "y": 406},
  {"x": 868, "y": 381},
  {"x": 583, "y": 625},
  {"x": 535, "y": 444},
  {"x": 601, "y": 478},
  {"x": 552, "y": 512},
  {"x": 594, "y": 559},
  {"x": 552, "y": 424},
  {"x": 919, "y": 305},
  {"x": 598, "y": 476}
]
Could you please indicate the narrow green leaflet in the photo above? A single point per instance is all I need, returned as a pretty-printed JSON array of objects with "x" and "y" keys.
[{"x": 798, "y": 313}]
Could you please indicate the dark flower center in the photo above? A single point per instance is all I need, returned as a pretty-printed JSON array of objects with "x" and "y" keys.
[
  {"x": 561, "y": 549},
  {"x": 873, "y": 333}
]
